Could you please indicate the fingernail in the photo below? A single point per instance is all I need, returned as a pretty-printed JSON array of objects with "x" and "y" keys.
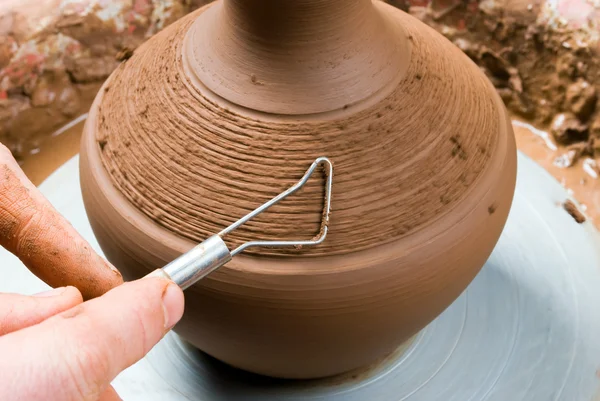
[
  {"x": 172, "y": 305},
  {"x": 51, "y": 293}
]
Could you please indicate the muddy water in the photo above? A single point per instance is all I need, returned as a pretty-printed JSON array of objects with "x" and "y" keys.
[
  {"x": 581, "y": 179},
  {"x": 54, "y": 152}
]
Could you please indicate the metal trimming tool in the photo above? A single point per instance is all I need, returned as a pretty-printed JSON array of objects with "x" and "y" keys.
[{"x": 213, "y": 253}]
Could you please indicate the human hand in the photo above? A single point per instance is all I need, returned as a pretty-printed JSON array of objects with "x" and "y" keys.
[{"x": 53, "y": 346}]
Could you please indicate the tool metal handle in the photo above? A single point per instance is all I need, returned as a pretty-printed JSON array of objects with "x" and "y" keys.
[{"x": 197, "y": 263}]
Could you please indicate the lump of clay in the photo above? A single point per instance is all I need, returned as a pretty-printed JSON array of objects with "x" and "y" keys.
[
  {"x": 566, "y": 129},
  {"x": 227, "y": 107},
  {"x": 581, "y": 99}
]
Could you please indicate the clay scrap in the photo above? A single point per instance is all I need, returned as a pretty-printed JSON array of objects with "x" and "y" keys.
[{"x": 55, "y": 54}]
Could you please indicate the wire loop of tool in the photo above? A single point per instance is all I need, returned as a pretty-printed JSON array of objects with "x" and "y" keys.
[
  {"x": 326, "y": 208},
  {"x": 213, "y": 253}
]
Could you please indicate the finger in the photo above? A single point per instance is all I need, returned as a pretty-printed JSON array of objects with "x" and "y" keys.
[
  {"x": 20, "y": 311},
  {"x": 77, "y": 353},
  {"x": 44, "y": 241},
  {"x": 110, "y": 395}
]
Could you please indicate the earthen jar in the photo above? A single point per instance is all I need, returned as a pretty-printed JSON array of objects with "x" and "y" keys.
[{"x": 228, "y": 107}]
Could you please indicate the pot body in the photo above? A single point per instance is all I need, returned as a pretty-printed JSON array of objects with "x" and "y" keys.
[{"x": 309, "y": 317}]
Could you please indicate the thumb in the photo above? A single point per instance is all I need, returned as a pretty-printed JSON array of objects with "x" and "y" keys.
[{"x": 76, "y": 354}]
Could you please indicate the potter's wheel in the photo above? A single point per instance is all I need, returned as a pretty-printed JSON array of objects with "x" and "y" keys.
[{"x": 527, "y": 328}]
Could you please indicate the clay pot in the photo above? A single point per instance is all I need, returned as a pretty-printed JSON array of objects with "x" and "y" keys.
[{"x": 228, "y": 107}]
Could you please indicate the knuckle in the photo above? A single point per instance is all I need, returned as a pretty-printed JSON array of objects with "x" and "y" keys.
[
  {"x": 27, "y": 234},
  {"x": 17, "y": 208},
  {"x": 14, "y": 204},
  {"x": 34, "y": 225}
]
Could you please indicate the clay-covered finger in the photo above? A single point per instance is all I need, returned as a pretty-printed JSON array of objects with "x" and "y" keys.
[
  {"x": 44, "y": 241},
  {"x": 20, "y": 311},
  {"x": 76, "y": 354}
]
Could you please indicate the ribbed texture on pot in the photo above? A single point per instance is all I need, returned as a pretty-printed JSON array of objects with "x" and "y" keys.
[{"x": 194, "y": 164}]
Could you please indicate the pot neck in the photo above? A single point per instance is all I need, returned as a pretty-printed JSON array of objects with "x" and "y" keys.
[
  {"x": 296, "y": 57},
  {"x": 294, "y": 23}
]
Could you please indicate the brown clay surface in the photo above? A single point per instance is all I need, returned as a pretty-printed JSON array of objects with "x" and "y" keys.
[
  {"x": 238, "y": 50},
  {"x": 416, "y": 175},
  {"x": 493, "y": 33},
  {"x": 390, "y": 182},
  {"x": 541, "y": 56},
  {"x": 534, "y": 142}
]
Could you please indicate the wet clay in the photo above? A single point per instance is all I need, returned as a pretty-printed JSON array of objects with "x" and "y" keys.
[
  {"x": 540, "y": 55},
  {"x": 578, "y": 174},
  {"x": 54, "y": 56},
  {"x": 170, "y": 156},
  {"x": 573, "y": 210},
  {"x": 238, "y": 50},
  {"x": 377, "y": 176}
]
